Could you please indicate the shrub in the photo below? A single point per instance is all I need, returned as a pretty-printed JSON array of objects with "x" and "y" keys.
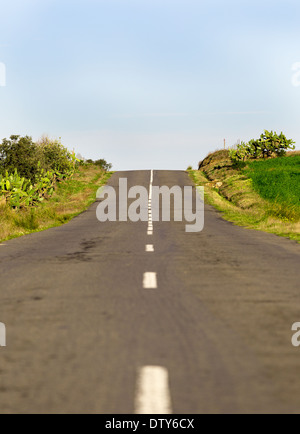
[
  {"x": 54, "y": 156},
  {"x": 268, "y": 145},
  {"x": 103, "y": 164},
  {"x": 20, "y": 192},
  {"x": 29, "y": 158},
  {"x": 29, "y": 171},
  {"x": 19, "y": 153}
]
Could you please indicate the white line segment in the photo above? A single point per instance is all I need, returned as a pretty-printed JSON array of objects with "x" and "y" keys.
[
  {"x": 149, "y": 248},
  {"x": 150, "y": 281},
  {"x": 153, "y": 394},
  {"x": 150, "y": 221}
]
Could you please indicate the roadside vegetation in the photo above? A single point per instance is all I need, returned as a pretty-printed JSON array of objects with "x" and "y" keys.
[
  {"x": 259, "y": 191},
  {"x": 44, "y": 185}
]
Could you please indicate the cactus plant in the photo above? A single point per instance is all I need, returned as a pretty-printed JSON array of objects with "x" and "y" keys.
[{"x": 19, "y": 192}]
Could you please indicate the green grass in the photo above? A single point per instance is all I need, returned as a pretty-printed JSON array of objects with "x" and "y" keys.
[
  {"x": 278, "y": 181},
  {"x": 264, "y": 195},
  {"x": 71, "y": 198}
]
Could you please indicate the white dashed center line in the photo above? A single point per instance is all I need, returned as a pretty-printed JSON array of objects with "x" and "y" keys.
[
  {"x": 150, "y": 281},
  {"x": 150, "y": 221},
  {"x": 153, "y": 395}
]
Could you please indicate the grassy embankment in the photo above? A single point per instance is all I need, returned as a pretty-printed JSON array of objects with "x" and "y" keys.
[
  {"x": 262, "y": 195},
  {"x": 71, "y": 198}
]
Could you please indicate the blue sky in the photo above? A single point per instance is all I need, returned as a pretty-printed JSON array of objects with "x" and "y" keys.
[{"x": 149, "y": 83}]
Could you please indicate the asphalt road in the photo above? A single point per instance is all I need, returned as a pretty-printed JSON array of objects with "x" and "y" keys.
[{"x": 81, "y": 327}]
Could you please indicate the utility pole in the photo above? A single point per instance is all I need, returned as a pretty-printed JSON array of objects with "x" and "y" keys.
[{"x": 224, "y": 143}]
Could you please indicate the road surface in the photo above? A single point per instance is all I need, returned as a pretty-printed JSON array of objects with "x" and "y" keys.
[{"x": 194, "y": 323}]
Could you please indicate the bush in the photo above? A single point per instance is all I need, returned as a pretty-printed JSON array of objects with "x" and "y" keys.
[
  {"x": 268, "y": 145},
  {"x": 20, "y": 192},
  {"x": 28, "y": 158},
  {"x": 54, "y": 156},
  {"x": 29, "y": 171},
  {"x": 103, "y": 165},
  {"x": 19, "y": 153}
]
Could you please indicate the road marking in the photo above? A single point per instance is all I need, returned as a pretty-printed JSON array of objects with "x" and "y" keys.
[
  {"x": 150, "y": 220},
  {"x": 153, "y": 394},
  {"x": 149, "y": 248},
  {"x": 150, "y": 281}
]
